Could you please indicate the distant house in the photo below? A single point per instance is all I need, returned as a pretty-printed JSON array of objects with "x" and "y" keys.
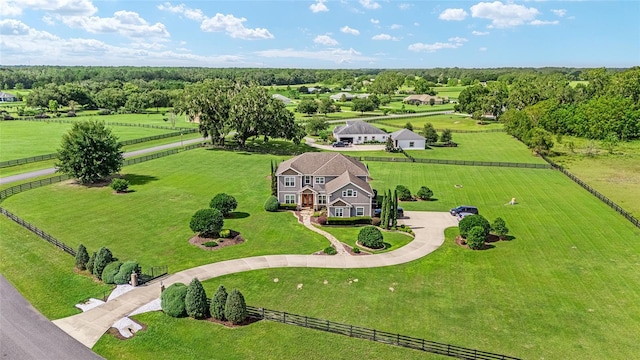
[
  {"x": 358, "y": 132},
  {"x": 6, "y": 97},
  {"x": 312, "y": 90},
  {"x": 423, "y": 99},
  {"x": 407, "y": 140},
  {"x": 282, "y": 98},
  {"x": 323, "y": 179},
  {"x": 347, "y": 96}
]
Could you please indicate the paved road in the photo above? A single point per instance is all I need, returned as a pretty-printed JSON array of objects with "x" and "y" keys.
[
  {"x": 26, "y": 334},
  {"x": 50, "y": 171},
  {"x": 428, "y": 227}
]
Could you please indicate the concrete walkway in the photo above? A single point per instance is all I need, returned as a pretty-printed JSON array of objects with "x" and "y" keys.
[
  {"x": 306, "y": 221},
  {"x": 428, "y": 227}
]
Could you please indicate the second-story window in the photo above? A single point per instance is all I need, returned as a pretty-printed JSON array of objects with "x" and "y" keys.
[{"x": 289, "y": 181}]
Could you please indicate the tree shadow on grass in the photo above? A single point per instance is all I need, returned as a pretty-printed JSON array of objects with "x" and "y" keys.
[
  {"x": 137, "y": 179},
  {"x": 238, "y": 215}
]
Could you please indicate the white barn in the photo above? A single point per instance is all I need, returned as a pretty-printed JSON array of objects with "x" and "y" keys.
[
  {"x": 408, "y": 140},
  {"x": 358, "y": 132}
]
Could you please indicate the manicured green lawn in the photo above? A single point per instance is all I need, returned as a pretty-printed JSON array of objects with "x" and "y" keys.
[
  {"x": 169, "y": 338},
  {"x": 151, "y": 224},
  {"x": 21, "y": 139},
  {"x": 42, "y": 273},
  {"x": 349, "y": 235},
  {"x": 566, "y": 286},
  {"x": 149, "y": 119},
  {"x": 495, "y": 147}
]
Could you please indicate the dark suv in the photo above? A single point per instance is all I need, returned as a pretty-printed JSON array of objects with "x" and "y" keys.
[{"x": 464, "y": 209}]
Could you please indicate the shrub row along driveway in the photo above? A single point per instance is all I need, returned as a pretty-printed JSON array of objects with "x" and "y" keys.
[{"x": 428, "y": 227}]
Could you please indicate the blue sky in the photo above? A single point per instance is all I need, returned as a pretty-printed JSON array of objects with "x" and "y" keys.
[{"x": 321, "y": 33}]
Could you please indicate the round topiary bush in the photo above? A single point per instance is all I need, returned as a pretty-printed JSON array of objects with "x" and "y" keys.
[
  {"x": 371, "y": 237},
  {"x": 356, "y": 250},
  {"x": 272, "y": 204},
  {"x": 124, "y": 275},
  {"x": 207, "y": 222},
  {"x": 476, "y": 237},
  {"x": 425, "y": 193},
  {"x": 330, "y": 250},
  {"x": 119, "y": 185},
  {"x": 110, "y": 271},
  {"x": 404, "y": 193},
  {"x": 235, "y": 310},
  {"x": 172, "y": 300},
  {"x": 471, "y": 221},
  {"x": 225, "y": 203}
]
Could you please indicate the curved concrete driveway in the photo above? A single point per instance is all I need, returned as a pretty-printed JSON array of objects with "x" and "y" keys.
[
  {"x": 312, "y": 142},
  {"x": 428, "y": 227}
]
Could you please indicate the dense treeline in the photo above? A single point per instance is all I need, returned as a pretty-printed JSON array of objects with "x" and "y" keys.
[
  {"x": 534, "y": 107},
  {"x": 161, "y": 78}
]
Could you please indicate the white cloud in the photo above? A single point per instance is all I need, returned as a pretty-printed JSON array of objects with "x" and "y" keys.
[
  {"x": 543, "y": 22},
  {"x": 453, "y": 15},
  {"x": 234, "y": 27},
  {"x": 22, "y": 44},
  {"x": 189, "y": 13},
  {"x": 54, "y": 7},
  {"x": 479, "y": 33},
  {"x": 405, "y": 6},
  {"x": 504, "y": 15},
  {"x": 347, "y": 30},
  {"x": 337, "y": 55},
  {"x": 453, "y": 43},
  {"x": 369, "y": 4},
  {"x": 395, "y": 26},
  {"x": 48, "y": 20},
  {"x": 384, "y": 37},
  {"x": 325, "y": 40},
  {"x": 375, "y": 21},
  {"x": 126, "y": 23},
  {"x": 319, "y": 6},
  {"x": 458, "y": 39},
  {"x": 229, "y": 24},
  {"x": 559, "y": 12}
]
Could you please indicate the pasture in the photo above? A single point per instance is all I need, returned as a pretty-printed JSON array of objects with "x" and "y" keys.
[
  {"x": 565, "y": 286},
  {"x": 440, "y": 121},
  {"x": 30, "y": 138}
]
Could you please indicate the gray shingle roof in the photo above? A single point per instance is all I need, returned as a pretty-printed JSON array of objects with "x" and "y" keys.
[
  {"x": 405, "y": 134},
  {"x": 358, "y": 127},
  {"x": 344, "y": 179},
  {"x": 323, "y": 164}
]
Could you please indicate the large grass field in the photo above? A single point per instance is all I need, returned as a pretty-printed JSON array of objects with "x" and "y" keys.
[
  {"x": 497, "y": 147},
  {"x": 446, "y": 121},
  {"x": 565, "y": 287},
  {"x": 19, "y": 139}
]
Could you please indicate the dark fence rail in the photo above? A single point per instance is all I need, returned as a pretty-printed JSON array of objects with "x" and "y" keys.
[
  {"x": 153, "y": 273},
  {"x": 112, "y": 123},
  {"x": 456, "y": 162},
  {"x": 27, "y": 160},
  {"x": 594, "y": 192},
  {"x": 66, "y": 248},
  {"x": 32, "y": 159},
  {"x": 373, "y": 335}
]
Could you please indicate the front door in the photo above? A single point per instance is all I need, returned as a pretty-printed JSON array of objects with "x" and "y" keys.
[{"x": 307, "y": 200}]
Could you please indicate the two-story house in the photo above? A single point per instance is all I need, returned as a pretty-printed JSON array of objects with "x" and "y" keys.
[{"x": 331, "y": 180}]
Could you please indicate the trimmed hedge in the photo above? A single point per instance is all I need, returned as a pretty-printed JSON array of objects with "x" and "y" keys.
[
  {"x": 207, "y": 222},
  {"x": 196, "y": 300},
  {"x": 224, "y": 203},
  {"x": 476, "y": 237},
  {"x": 349, "y": 221},
  {"x": 330, "y": 250},
  {"x": 235, "y": 309},
  {"x": 124, "y": 275},
  {"x": 288, "y": 206},
  {"x": 119, "y": 185},
  {"x": 103, "y": 258},
  {"x": 172, "y": 300},
  {"x": 472, "y": 221},
  {"x": 218, "y": 303},
  {"x": 110, "y": 271}
]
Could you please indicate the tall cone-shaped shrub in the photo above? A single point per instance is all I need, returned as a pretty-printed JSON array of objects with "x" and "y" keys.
[
  {"x": 195, "y": 302},
  {"x": 235, "y": 309},
  {"x": 218, "y": 303}
]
